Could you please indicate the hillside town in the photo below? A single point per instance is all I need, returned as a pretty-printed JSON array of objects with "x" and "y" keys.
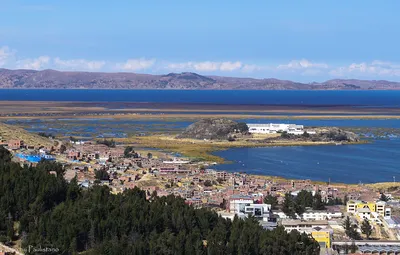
[{"x": 320, "y": 210}]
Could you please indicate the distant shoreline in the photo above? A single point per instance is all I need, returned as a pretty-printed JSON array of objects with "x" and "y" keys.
[
  {"x": 150, "y": 110},
  {"x": 53, "y": 79}
]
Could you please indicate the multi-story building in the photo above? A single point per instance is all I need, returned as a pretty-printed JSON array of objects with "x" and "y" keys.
[
  {"x": 323, "y": 237},
  {"x": 383, "y": 209},
  {"x": 238, "y": 203},
  {"x": 320, "y": 215},
  {"x": 259, "y": 211},
  {"x": 366, "y": 210},
  {"x": 15, "y": 144},
  {"x": 354, "y": 205},
  {"x": 304, "y": 226}
]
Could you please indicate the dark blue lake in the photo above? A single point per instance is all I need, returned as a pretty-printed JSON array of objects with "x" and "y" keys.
[
  {"x": 367, "y": 163},
  {"x": 274, "y": 97}
]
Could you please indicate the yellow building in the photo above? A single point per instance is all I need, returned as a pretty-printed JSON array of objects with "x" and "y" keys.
[
  {"x": 323, "y": 238},
  {"x": 354, "y": 205}
]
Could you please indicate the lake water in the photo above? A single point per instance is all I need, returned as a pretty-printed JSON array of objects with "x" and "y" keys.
[
  {"x": 375, "y": 162},
  {"x": 367, "y": 163},
  {"x": 270, "y": 97}
]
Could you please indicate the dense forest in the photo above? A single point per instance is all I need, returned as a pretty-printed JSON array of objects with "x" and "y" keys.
[{"x": 39, "y": 208}]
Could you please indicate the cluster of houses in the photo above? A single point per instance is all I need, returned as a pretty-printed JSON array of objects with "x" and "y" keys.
[
  {"x": 230, "y": 194},
  {"x": 27, "y": 152},
  {"x": 320, "y": 224},
  {"x": 316, "y": 223}
]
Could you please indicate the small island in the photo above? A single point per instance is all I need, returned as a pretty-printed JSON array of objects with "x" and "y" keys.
[{"x": 205, "y": 136}]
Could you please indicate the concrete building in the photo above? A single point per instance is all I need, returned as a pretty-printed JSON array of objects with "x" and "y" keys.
[
  {"x": 354, "y": 205},
  {"x": 272, "y": 128},
  {"x": 383, "y": 209},
  {"x": 304, "y": 226},
  {"x": 238, "y": 203},
  {"x": 368, "y": 210},
  {"x": 259, "y": 211},
  {"x": 244, "y": 206},
  {"x": 323, "y": 237},
  {"x": 320, "y": 215},
  {"x": 15, "y": 144}
]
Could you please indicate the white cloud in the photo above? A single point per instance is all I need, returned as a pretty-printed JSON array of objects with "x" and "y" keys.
[
  {"x": 180, "y": 66},
  {"x": 136, "y": 64},
  {"x": 35, "y": 64},
  {"x": 302, "y": 64},
  {"x": 79, "y": 64},
  {"x": 5, "y": 55},
  {"x": 249, "y": 68},
  {"x": 375, "y": 68},
  {"x": 230, "y": 66},
  {"x": 206, "y": 66}
]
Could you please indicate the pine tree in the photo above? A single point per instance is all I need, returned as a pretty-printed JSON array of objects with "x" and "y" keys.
[
  {"x": 383, "y": 197},
  {"x": 271, "y": 200},
  {"x": 94, "y": 221},
  {"x": 288, "y": 206},
  {"x": 317, "y": 202},
  {"x": 366, "y": 228},
  {"x": 347, "y": 226},
  {"x": 350, "y": 229}
]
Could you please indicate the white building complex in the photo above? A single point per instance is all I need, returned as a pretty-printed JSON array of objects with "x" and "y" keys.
[
  {"x": 244, "y": 206},
  {"x": 272, "y": 128}
]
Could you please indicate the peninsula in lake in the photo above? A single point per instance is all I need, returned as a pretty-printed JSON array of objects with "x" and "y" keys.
[{"x": 52, "y": 79}]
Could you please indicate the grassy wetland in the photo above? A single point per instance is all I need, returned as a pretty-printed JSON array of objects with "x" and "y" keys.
[
  {"x": 203, "y": 149},
  {"x": 150, "y": 125}
]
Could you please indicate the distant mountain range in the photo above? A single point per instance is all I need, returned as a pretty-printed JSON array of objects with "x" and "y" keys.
[{"x": 51, "y": 79}]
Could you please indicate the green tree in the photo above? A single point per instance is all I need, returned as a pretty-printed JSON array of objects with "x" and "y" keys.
[
  {"x": 5, "y": 155},
  {"x": 101, "y": 175},
  {"x": 345, "y": 200},
  {"x": 317, "y": 202},
  {"x": 63, "y": 148},
  {"x": 383, "y": 197},
  {"x": 58, "y": 214},
  {"x": 109, "y": 143},
  {"x": 288, "y": 206},
  {"x": 242, "y": 127},
  {"x": 304, "y": 198},
  {"x": 366, "y": 228},
  {"x": 335, "y": 201},
  {"x": 347, "y": 224},
  {"x": 350, "y": 229},
  {"x": 271, "y": 200},
  {"x": 208, "y": 183},
  {"x": 127, "y": 152}
]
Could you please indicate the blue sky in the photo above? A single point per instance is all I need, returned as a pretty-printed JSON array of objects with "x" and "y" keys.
[{"x": 297, "y": 40}]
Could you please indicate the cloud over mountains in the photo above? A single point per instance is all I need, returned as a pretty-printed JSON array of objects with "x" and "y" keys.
[{"x": 377, "y": 69}]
